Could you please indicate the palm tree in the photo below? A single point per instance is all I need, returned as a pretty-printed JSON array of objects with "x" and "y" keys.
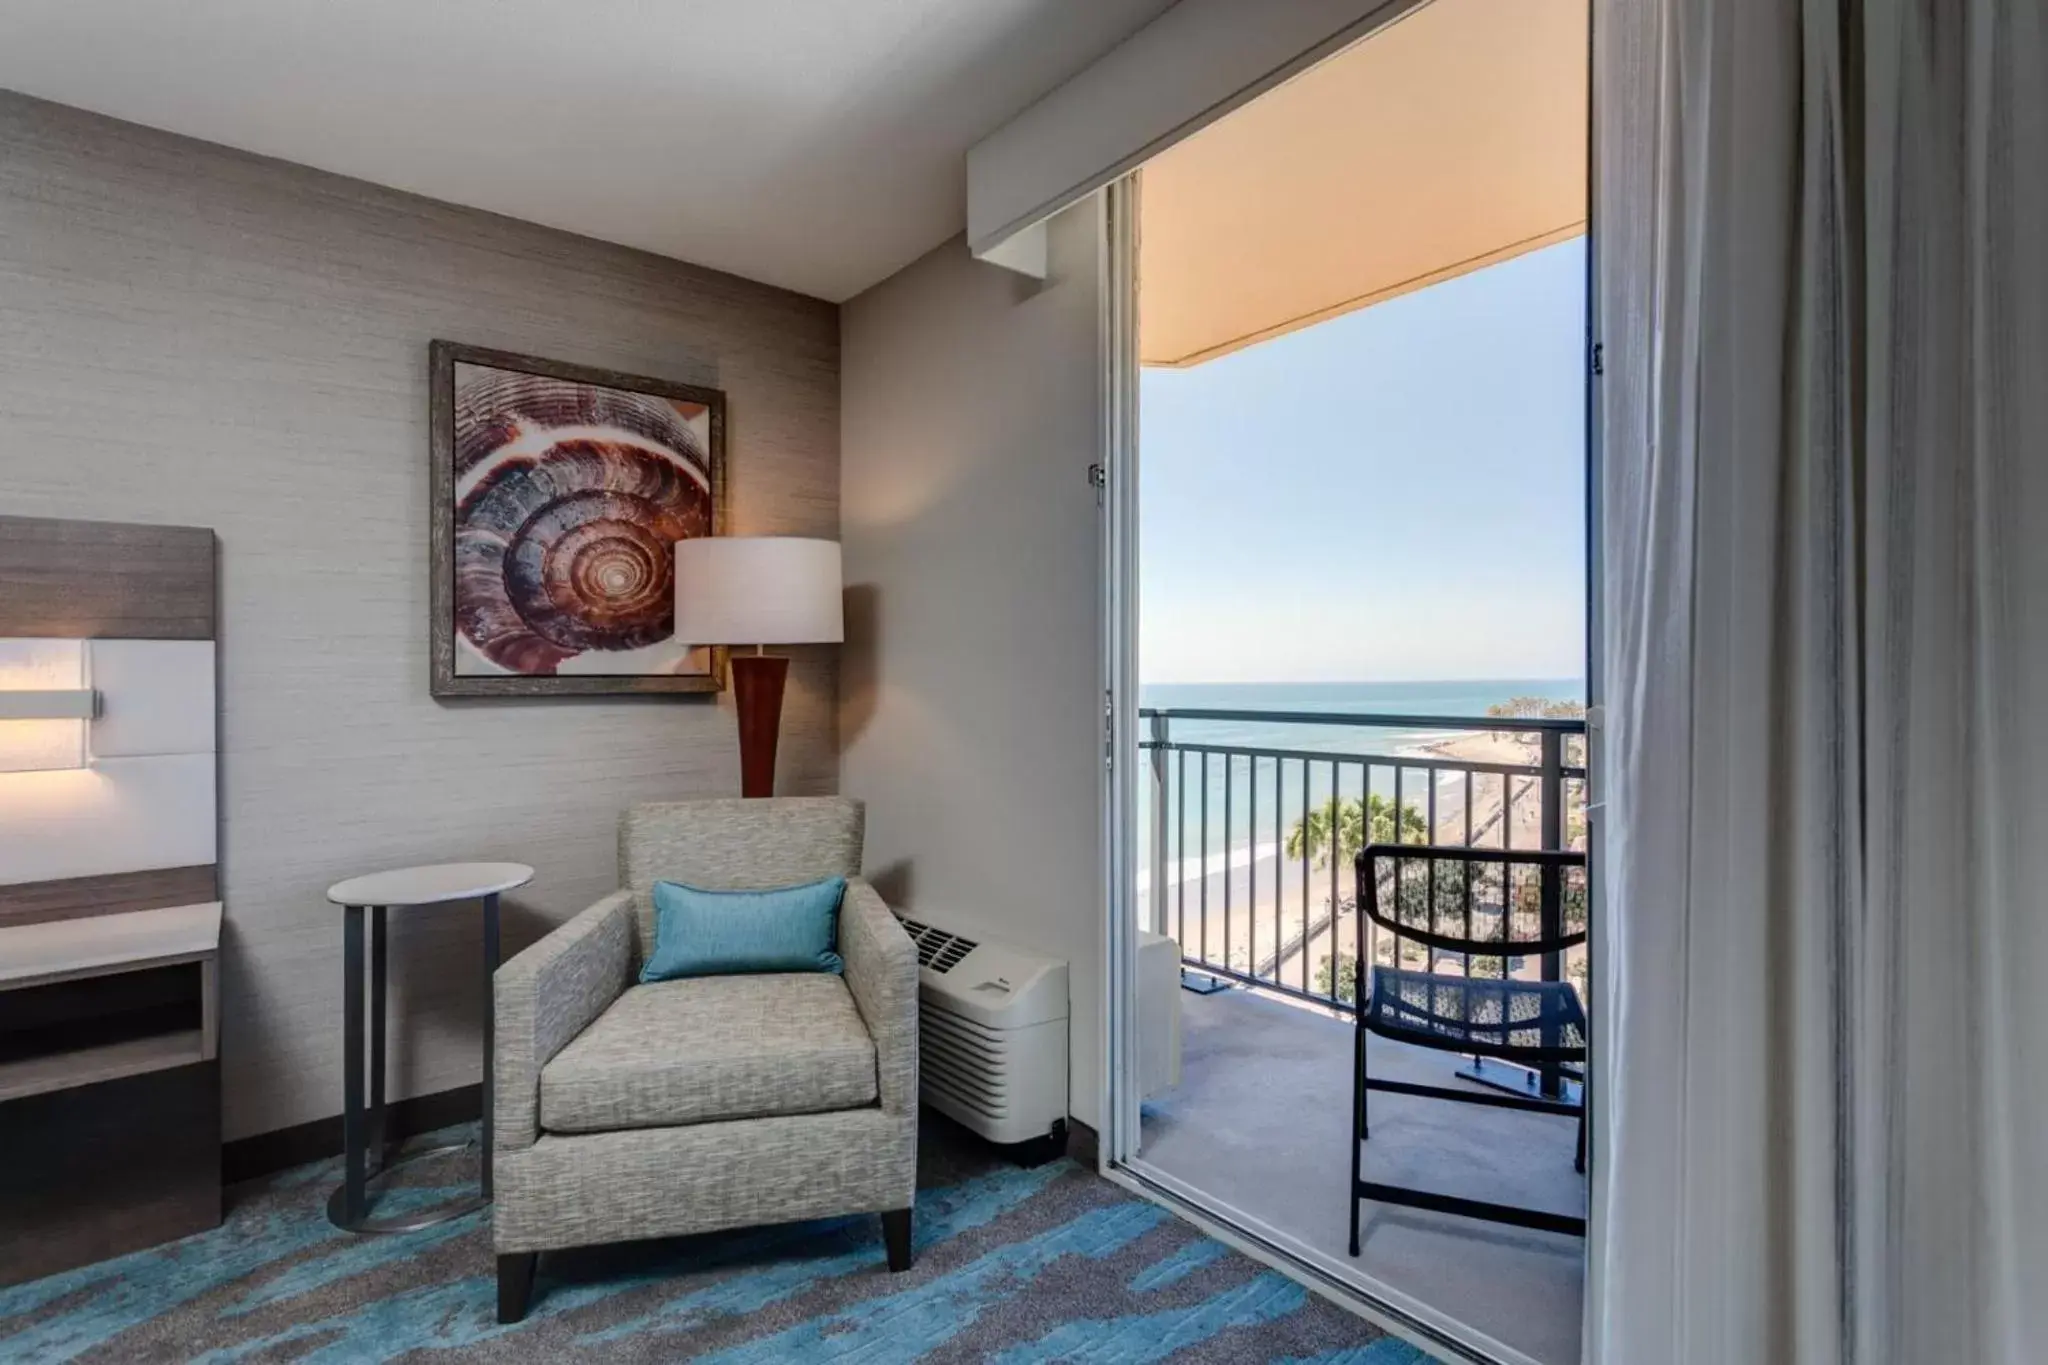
[{"x": 1310, "y": 837}]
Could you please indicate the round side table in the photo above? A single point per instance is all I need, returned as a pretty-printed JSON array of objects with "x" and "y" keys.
[{"x": 362, "y": 1127}]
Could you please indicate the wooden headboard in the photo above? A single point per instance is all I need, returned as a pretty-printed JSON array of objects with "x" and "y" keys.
[{"x": 138, "y": 829}]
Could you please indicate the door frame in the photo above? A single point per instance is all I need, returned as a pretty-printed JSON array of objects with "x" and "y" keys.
[
  {"x": 1119, "y": 483},
  {"x": 1120, "y": 1158}
]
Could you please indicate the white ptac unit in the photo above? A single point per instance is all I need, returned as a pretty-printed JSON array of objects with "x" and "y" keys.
[{"x": 992, "y": 1046}]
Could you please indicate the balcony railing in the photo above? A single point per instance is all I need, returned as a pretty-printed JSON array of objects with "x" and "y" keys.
[{"x": 1282, "y": 916}]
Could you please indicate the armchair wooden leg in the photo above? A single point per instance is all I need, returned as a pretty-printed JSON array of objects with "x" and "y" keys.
[
  {"x": 896, "y": 1236},
  {"x": 515, "y": 1284}
]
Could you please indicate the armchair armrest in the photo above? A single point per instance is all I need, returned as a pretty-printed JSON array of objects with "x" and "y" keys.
[
  {"x": 547, "y": 995},
  {"x": 881, "y": 971}
]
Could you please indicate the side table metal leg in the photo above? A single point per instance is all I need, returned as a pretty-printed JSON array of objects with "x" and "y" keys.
[
  {"x": 352, "y": 1064},
  {"x": 379, "y": 996},
  {"x": 490, "y": 1030},
  {"x": 369, "y": 1151}
]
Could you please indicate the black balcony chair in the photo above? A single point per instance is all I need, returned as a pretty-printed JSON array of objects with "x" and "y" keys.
[{"x": 1538, "y": 1024}]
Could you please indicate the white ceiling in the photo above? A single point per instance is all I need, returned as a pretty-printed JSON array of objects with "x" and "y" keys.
[{"x": 813, "y": 144}]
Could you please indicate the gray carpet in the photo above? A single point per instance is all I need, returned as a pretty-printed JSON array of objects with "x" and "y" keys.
[{"x": 1013, "y": 1266}]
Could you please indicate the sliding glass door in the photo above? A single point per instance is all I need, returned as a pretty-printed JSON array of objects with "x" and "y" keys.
[{"x": 1347, "y": 528}]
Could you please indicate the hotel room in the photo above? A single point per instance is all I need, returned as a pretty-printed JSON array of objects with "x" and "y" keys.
[{"x": 573, "y": 774}]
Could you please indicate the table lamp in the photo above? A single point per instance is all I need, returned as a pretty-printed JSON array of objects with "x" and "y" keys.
[{"x": 759, "y": 591}]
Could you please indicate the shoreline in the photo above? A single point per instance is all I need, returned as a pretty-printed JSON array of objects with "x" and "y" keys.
[
  {"x": 1255, "y": 922},
  {"x": 1475, "y": 747},
  {"x": 1262, "y": 919}
]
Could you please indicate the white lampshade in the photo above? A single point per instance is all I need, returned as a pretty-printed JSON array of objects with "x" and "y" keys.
[{"x": 758, "y": 590}]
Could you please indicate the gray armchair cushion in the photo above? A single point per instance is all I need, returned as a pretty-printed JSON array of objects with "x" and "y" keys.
[
  {"x": 572, "y": 1190},
  {"x": 546, "y": 996},
  {"x": 711, "y": 1048},
  {"x": 736, "y": 845}
]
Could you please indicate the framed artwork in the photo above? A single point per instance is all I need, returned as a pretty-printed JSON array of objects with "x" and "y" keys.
[{"x": 559, "y": 492}]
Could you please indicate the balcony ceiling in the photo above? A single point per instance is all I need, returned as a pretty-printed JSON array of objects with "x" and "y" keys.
[
  {"x": 1452, "y": 140},
  {"x": 813, "y": 144}
]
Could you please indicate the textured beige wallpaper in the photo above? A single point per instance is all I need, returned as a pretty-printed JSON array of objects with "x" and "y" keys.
[
  {"x": 972, "y": 699},
  {"x": 193, "y": 335}
]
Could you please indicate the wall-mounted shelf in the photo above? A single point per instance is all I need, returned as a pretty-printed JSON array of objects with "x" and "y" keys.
[
  {"x": 32, "y": 953},
  {"x": 107, "y": 997},
  {"x": 107, "y": 1062},
  {"x": 109, "y": 1084}
]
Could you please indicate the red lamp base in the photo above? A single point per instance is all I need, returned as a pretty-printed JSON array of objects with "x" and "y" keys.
[{"x": 757, "y": 682}]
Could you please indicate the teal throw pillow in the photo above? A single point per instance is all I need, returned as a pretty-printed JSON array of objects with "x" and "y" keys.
[{"x": 730, "y": 933}]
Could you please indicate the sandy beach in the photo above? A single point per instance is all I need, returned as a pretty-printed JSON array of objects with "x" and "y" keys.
[
  {"x": 1526, "y": 818},
  {"x": 1255, "y": 914},
  {"x": 1258, "y": 929}
]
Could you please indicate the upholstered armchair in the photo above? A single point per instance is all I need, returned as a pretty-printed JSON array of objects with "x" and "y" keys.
[{"x": 626, "y": 1111}]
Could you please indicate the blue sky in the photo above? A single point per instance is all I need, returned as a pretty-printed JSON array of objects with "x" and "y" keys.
[{"x": 1395, "y": 494}]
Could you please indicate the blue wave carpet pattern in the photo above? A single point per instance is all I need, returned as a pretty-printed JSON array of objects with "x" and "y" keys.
[{"x": 1013, "y": 1267}]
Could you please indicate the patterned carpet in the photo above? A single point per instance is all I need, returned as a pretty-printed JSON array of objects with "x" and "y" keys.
[{"x": 1013, "y": 1267}]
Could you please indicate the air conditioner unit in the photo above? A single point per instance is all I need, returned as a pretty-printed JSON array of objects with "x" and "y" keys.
[{"x": 992, "y": 1049}]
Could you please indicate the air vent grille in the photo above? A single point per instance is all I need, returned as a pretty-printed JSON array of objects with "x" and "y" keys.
[
  {"x": 965, "y": 1062},
  {"x": 936, "y": 948}
]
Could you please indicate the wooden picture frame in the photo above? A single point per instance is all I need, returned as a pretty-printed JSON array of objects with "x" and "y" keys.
[{"x": 504, "y": 631}]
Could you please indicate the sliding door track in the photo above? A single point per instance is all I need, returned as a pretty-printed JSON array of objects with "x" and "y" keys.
[{"x": 1378, "y": 1303}]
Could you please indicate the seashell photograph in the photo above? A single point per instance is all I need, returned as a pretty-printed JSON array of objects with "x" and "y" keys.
[{"x": 559, "y": 495}]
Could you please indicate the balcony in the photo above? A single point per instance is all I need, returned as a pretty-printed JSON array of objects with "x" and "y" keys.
[{"x": 1248, "y": 867}]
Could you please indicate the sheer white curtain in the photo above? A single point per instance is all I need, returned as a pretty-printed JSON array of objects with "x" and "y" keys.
[{"x": 1823, "y": 298}]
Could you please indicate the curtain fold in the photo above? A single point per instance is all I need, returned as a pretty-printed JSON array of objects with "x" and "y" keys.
[{"x": 1823, "y": 300}]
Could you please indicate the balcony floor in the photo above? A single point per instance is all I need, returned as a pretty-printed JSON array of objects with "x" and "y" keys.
[{"x": 1261, "y": 1122}]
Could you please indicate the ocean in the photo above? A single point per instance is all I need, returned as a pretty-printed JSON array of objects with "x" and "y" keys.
[
  {"x": 1383, "y": 698},
  {"x": 1279, "y": 794}
]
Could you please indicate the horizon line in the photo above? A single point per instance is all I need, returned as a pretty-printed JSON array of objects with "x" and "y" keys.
[{"x": 1346, "y": 682}]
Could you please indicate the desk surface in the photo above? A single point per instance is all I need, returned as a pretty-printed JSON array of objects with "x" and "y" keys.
[{"x": 32, "y": 953}]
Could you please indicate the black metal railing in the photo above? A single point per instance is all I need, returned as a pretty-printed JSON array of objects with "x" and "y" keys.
[{"x": 1283, "y": 916}]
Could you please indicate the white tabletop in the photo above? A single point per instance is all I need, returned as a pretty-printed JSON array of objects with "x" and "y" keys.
[
  {"x": 130, "y": 939},
  {"x": 430, "y": 885}
]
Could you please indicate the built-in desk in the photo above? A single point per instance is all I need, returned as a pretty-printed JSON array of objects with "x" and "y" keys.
[{"x": 109, "y": 1085}]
